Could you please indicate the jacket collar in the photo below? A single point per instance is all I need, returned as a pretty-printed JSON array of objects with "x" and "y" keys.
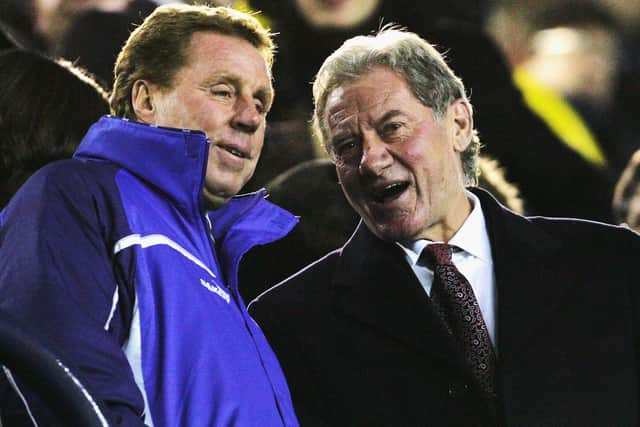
[
  {"x": 246, "y": 221},
  {"x": 172, "y": 160}
]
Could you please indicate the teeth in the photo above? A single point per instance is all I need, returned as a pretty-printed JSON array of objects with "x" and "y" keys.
[
  {"x": 390, "y": 190},
  {"x": 234, "y": 152}
]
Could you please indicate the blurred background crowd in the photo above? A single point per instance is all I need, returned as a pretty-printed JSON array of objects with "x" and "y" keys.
[{"x": 554, "y": 85}]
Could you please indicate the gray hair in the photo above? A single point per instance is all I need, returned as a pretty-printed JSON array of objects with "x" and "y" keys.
[{"x": 429, "y": 78}]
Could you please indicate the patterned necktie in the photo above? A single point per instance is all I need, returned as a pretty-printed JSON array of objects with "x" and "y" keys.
[{"x": 456, "y": 304}]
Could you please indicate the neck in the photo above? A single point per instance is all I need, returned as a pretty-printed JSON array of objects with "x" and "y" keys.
[{"x": 458, "y": 212}]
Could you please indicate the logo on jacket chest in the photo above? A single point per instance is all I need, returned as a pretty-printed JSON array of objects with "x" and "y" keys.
[{"x": 216, "y": 289}]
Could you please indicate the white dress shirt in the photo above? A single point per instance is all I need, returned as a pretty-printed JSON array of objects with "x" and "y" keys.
[{"x": 474, "y": 261}]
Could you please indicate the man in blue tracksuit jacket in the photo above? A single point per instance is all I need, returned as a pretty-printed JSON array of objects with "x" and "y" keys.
[{"x": 125, "y": 257}]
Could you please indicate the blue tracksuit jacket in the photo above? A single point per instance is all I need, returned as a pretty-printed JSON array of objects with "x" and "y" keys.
[{"x": 111, "y": 258}]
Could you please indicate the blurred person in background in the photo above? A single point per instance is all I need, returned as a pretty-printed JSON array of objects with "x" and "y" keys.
[
  {"x": 575, "y": 63},
  {"x": 17, "y": 23},
  {"x": 46, "y": 107},
  {"x": 96, "y": 32},
  {"x": 87, "y": 32}
]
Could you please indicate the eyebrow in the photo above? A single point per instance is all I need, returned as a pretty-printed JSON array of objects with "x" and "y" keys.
[
  {"x": 341, "y": 136},
  {"x": 349, "y": 132}
]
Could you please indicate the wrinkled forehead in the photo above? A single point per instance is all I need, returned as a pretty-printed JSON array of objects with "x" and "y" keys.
[{"x": 357, "y": 102}]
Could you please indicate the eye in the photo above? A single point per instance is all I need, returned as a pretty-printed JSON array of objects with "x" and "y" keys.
[
  {"x": 391, "y": 128},
  {"x": 345, "y": 148},
  {"x": 222, "y": 91},
  {"x": 260, "y": 106}
]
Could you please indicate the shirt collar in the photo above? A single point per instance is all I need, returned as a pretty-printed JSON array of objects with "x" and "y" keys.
[{"x": 472, "y": 236}]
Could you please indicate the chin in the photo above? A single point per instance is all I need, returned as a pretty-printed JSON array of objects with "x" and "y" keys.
[
  {"x": 225, "y": 189},
  {"x": 391, "y": 232},
  {"x": 394, "y": 226}
]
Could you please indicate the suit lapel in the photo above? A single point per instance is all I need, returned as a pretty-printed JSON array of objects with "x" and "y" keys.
[
  {"x": 375, "y": 286},
  {"x": 529, "y": 290}
]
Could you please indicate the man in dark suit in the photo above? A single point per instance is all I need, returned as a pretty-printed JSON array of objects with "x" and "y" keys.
[{"x": 445, "y": 308}]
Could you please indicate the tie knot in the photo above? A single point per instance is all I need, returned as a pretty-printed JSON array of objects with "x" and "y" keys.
[{"x": 437, "y": 254}]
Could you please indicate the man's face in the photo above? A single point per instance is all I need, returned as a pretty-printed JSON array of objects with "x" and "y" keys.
[
  {"x": 399, "y": 168},
  {"x": 225, "y": 91}
]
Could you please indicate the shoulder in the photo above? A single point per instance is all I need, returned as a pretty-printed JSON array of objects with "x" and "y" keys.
[
  {"x": 583, "y": 244},
  {"x": 66, "y": 191},
  {"x": 573, "y": 233},
  {"x": 68, "y": 182},
  {"x": 70, "y": 174},
  {"x": 580, "y": 230}
]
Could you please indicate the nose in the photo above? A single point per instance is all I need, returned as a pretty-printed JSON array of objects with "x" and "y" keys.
[
  {"x": 375, "y": 155},
  {"x": 246, "y": 118}
]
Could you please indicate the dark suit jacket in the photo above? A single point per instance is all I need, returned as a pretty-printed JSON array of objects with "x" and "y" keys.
[{"x": 361, "y": 346}]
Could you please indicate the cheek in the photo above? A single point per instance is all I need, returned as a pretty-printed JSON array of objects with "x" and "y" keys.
[
  {"x": 348, "y": 181},
  {"x": 417, "y": 155},
  {"x": 259, "y": 135},
  {"x": 423, "y": 144},
  {"x": 204, "y": 117},
  {"x": 199, "y": 113},
  {"x": 257, "y": 143},
  {"x": 345, "y": 174},
  {"x": 420, "y": 159}
]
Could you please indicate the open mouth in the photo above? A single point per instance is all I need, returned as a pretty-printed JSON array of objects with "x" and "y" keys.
[
  {"x": 234, "y": 152},
  {"x": 389, "y": 192}
]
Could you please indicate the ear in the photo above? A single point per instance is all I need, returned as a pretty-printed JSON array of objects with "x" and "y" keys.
[
  {"x": 461, "y": 115},
  {"x": 142, "y": 100}
]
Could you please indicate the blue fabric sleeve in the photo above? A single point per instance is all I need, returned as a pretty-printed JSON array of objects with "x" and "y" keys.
[{"x": 58, "y": 276}]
